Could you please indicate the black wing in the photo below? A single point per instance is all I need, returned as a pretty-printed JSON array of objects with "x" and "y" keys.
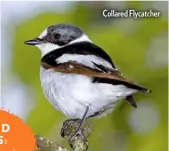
[{"x": 81, "y": 48}]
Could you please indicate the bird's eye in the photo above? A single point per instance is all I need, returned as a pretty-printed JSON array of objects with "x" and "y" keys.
[{"x": 56, "y": 36}]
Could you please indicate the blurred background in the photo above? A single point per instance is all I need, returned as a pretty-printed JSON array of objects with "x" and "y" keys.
[{"x": 137, "y": 46}]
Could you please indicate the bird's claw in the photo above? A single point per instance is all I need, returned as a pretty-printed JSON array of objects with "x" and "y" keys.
[
  {"x": 78, "y": 138},
  {"x": 69, "y": 127}
]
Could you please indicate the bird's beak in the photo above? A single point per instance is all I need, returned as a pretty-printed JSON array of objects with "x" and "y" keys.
[{"x": 35, "y": 41}]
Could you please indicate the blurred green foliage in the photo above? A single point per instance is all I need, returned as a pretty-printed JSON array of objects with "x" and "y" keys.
[{"x": 128, "y": 47}]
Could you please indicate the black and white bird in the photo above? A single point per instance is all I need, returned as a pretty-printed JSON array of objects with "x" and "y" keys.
[{"x": 77, "y": 76}]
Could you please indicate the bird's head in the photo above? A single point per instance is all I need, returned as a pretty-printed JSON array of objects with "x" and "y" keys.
[{"x": 57, "y": 36}]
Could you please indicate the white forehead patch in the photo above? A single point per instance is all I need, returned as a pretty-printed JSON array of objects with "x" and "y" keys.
[
  {"x": 46, "y": 47},
  {"x": 44, "y": 33}
]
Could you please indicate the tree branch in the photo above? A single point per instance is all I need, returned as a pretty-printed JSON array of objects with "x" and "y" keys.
[
  {"x": 44, "y": 144},
  {"x": 67, "y": 130}
]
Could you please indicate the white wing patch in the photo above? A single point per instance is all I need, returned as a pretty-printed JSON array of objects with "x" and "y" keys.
[{"x": 84, "y": 59}]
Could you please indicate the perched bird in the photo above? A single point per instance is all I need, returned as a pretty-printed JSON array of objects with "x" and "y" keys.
[{"x": 78, "y": 77}]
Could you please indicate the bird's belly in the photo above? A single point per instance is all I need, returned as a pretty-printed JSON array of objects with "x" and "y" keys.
[{"x": 72, "y": 93}]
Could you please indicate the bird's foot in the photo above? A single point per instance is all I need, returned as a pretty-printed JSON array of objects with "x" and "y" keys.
[
  {"x": 69, "y": 127},
  {"x": 78, "y": 138}
]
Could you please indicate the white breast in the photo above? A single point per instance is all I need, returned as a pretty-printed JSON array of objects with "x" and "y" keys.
[{"x": 71, "y": 93}]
